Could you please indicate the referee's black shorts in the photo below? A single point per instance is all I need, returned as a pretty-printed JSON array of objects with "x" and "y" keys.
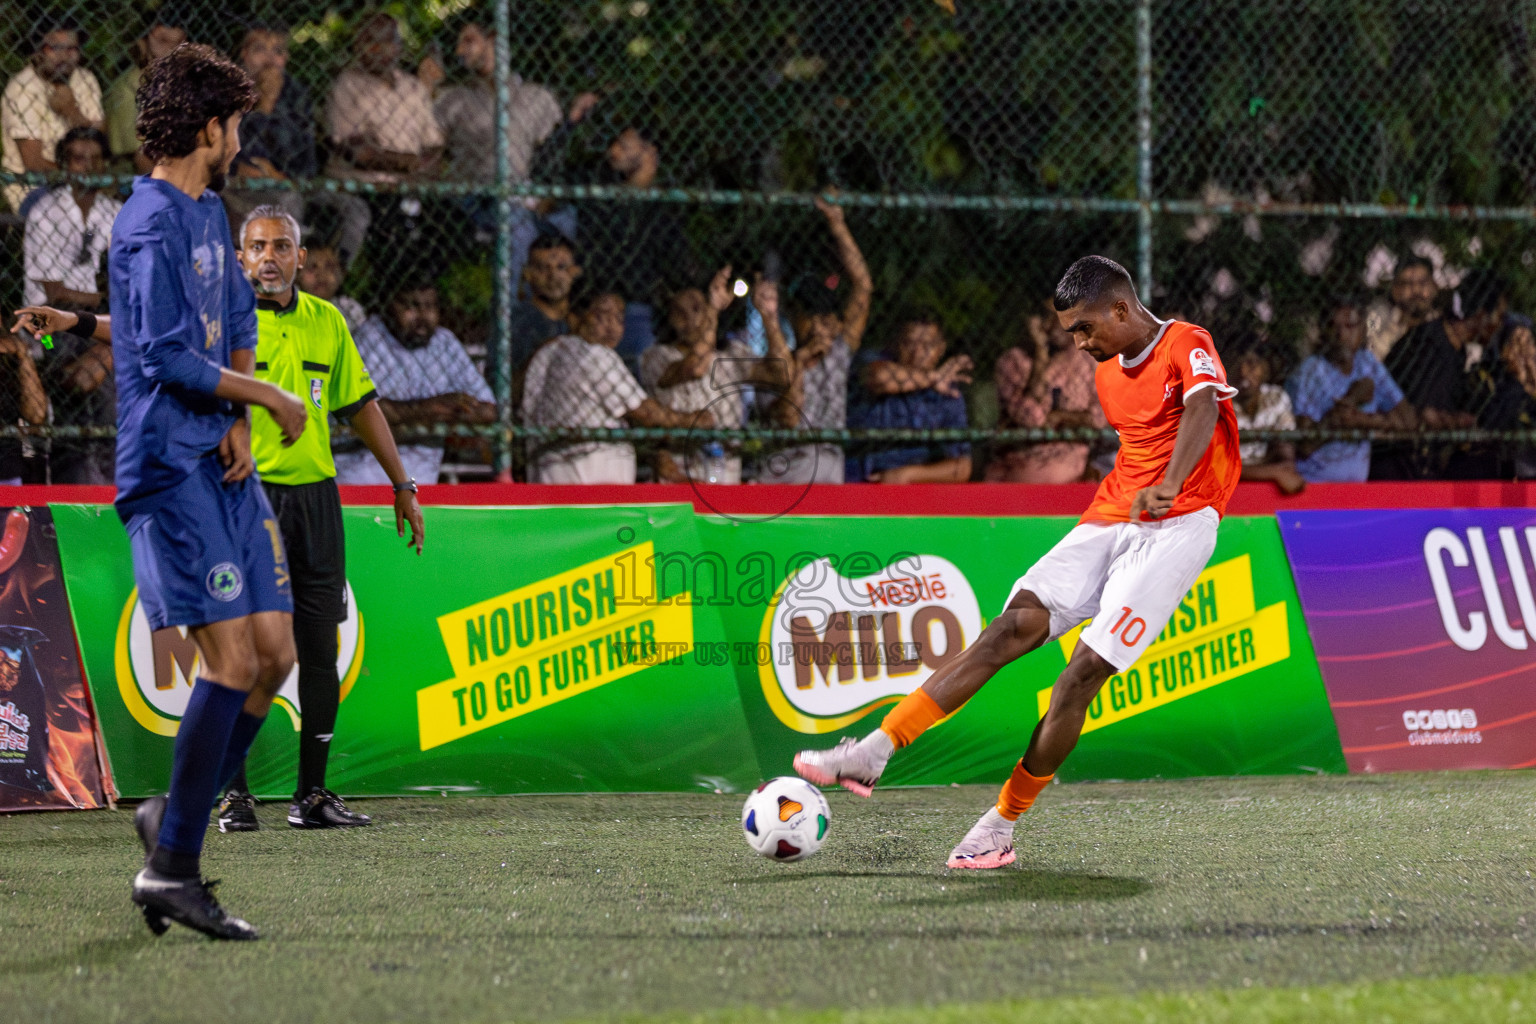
[{"x": 309, "y": 518}]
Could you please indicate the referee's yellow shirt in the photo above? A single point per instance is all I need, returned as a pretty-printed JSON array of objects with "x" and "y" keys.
[{"x": 305, "y": 349}]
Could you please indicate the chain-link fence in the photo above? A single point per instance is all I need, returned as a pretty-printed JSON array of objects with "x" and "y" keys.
[{"x": 1265, "y": 169}]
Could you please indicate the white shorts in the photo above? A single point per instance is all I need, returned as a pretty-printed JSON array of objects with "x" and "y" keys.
[
  {"x": 1128, "y": 577},
  {"x": 605, "y": 464}
]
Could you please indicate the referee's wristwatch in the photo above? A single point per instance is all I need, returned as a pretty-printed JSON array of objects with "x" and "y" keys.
[{"x": 408, "y": 485}]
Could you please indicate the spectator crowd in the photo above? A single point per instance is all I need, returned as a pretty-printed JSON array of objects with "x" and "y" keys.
[{"x": 617, "y": 323}]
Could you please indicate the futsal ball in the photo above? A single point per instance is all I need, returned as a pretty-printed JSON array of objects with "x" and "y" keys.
[{"x": 785, "y": 819}]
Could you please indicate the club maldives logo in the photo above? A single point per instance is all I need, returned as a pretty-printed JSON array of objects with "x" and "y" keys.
[
  {"x": 155, "y": 668},
  {"x": 846, "y": 646},
  {"x": 1467, "y": 624},
  {"x": 1441, "y": 727}
]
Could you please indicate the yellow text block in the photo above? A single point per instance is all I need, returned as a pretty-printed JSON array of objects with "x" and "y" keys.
[
  {"x": 552, "y": 612},
  {"x": 1173, "y": 671},
  {"x": 489, "y": 694}
]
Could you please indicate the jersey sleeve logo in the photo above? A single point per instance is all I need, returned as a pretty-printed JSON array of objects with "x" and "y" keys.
[{"x": 1201, "y": 364}]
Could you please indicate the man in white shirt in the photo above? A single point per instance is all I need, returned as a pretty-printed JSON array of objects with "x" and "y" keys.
[
  {"x": 424, "y": 378},
  {"x": 69, "y": 229},
  {"x": 380, "y": 118},
  {"x": 578, "y": 380},
  {"x": 45, "y": 99},
  {"x": 468, "y": 112}
]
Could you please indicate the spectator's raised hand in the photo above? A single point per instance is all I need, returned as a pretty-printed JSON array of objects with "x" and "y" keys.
[
  {"x": 832, "y": 211},
  {"x": 582, "y": 105},
  {"x": 765, "y": 297},
  {"x": 430, "y": 72},
  {"x": 953, "y": 372}
]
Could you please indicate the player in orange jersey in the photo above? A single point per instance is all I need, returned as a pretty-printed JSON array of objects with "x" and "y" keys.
[{"x": 1126, "y": 565}]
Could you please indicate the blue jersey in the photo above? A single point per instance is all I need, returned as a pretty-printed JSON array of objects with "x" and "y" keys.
[{"x": 180, "y": 306}]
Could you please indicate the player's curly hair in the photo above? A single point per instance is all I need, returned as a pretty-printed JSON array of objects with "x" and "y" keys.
[{"x": 184, "y": 90}]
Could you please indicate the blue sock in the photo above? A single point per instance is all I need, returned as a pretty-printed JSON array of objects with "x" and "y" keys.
[
  {"x": 246, "y": 728},
  {"x": 206, "y": 728}
]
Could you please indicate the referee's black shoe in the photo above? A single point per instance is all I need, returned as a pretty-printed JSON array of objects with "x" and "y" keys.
[
  {"x": 237, "y": 812},
  {"x": 188, "y": 901},
  {"x": 146, "y": 822},
  {"x": 321, "y": 808}
]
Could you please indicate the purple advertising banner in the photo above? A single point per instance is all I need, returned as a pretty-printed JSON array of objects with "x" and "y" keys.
[{"x": 1425, "y": 629}]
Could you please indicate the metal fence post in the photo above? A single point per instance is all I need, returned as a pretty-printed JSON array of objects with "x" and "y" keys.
[
  {"x": 1144, "y": 148},
  {"x": 499, "y": 357}
]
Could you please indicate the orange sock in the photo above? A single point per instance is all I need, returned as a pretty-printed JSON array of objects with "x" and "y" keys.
[
  {"x": 911, "y": 718},
  {"x": 1019, "y": 792}
]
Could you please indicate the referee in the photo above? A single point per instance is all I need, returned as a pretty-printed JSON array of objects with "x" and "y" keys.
[{"x": 303, "y": 346}]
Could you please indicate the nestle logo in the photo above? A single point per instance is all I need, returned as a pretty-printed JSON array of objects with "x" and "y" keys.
[{"x": 905, "y": 590}]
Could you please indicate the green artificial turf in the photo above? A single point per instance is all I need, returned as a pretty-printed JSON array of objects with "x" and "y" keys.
[
  {"x": 1461, "y": 999},
  {"x": 1220, "y": 900}
]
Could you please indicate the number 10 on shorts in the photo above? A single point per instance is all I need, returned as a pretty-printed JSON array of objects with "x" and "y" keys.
[{"x": 1133, "y": 630}]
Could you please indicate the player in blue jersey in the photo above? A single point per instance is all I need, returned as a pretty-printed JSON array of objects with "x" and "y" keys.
[{"x": 207, "y": 553}]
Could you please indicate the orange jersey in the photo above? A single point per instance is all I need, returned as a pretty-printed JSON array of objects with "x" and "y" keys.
[{"x": 1144, "y": 401}]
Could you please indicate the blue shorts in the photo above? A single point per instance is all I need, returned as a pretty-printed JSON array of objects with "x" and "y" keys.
[{"x": 212, "y": 552}]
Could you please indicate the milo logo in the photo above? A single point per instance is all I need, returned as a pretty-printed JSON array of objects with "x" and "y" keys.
[
  {"x": 845, "y": 646},
  {"x": 155, "y": 668}
]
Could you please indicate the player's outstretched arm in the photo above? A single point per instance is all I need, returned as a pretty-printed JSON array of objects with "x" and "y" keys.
[{"x": 1196, "y": 428}]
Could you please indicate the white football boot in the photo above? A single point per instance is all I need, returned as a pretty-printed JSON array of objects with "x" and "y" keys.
[
  {"x": 989, "y": 844},
  {"x": 853, "y": 764}
]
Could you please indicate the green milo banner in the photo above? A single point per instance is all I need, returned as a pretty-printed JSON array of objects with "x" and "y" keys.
[
  {"x": 649, "y": 648},
  {"x": 528, "y": 650},
  {"x": 860, "y": 611}
]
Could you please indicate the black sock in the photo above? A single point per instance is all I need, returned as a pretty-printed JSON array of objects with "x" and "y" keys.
[
  {"x": 233, "y": 769},
  {"x": 238, "y": 780},
  {"x": 319, "y": 697}
]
